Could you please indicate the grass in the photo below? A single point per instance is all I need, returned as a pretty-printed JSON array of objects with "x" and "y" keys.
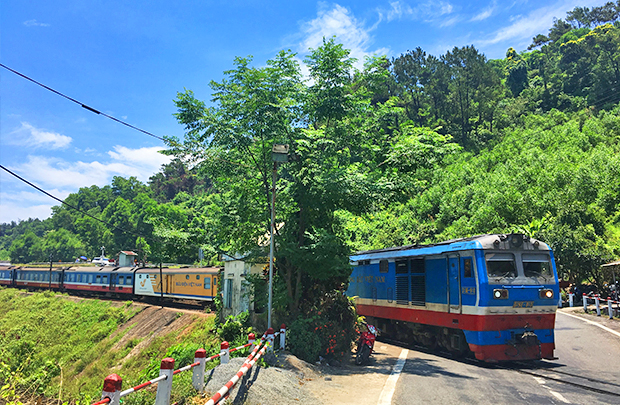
[{"x": 62, "y": 349}]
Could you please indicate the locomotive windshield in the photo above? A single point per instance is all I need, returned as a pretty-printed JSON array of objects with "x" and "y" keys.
[
  {"x": 501, "y": 265},
  {"x": 536, "y": 265}
]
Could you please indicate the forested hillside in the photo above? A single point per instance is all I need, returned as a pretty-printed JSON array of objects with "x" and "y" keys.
[{"x": 414, "y": 149}]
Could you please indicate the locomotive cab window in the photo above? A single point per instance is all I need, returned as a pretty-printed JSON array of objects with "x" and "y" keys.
[
  {"x": 467, "y": 268},
  {"x": 501, "y": 265},
  {"x": 384, "y": 266},
  {"x": 536, "y": 265}
]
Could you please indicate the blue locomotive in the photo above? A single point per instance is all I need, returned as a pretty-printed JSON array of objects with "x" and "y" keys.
[{"x": 493, "y": 295}]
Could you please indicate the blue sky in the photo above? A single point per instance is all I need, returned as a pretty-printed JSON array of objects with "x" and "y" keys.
[{"x": 130, "y": 58}]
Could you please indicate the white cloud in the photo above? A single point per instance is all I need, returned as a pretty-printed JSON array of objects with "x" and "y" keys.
[
  {"x": 34, "y": 23},
  {"x": 60, "y": 178},
  {"x": 426, "y": 11},
  {"x": 28, "y": 135},
  {"x": 349, "y": 31},
  {"x": 536, "y": 22},
  {"x": 17, "y": 211},
  {"x": 399, "y": 10},
  {"x": 449, "y": 21},
  {"x": 484, "y": 14}
]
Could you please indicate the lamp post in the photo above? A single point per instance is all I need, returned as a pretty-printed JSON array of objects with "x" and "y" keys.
[{"x": 279, "y": 153}]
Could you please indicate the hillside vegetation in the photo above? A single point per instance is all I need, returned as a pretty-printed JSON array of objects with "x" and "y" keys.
[
  {"x": 54, "y": 346},
  {"x": 414, "y": 149}
]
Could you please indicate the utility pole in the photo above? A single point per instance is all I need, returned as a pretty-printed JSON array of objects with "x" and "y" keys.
[
  {"x": 279, "y": 153},
  {"x": 102, "y": 251}
]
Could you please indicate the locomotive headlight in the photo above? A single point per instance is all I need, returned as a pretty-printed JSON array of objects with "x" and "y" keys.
[
  {"x": 500, "y": 294},
  {"x": 546, "y": 293}
]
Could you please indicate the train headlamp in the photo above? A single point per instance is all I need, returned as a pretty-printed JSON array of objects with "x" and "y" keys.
[
  {"x": 546, "y": 293},
  {"x": 500, "y": 294}
]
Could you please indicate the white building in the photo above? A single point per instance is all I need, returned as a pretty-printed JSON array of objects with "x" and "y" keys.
[{"x": 236, "y": 290}]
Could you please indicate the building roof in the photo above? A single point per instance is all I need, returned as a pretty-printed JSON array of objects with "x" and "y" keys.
[{"x": 129, "y": 253}]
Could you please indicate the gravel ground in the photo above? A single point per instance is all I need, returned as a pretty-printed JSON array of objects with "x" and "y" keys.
[{"x": 283, "y": 383}]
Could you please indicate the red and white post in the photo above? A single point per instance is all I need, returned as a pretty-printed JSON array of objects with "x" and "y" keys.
[
  {"x": 571, "y": 297},
  {"x": 585, "y": 302},
  {"x": 112, "y": 389},
  {"x": 251, "y": 340},
  {"x": 282, "y": 336},
  {"x": 598, "y": 304},
  {"x": 198, "y": 373},
  {"x": 224, "y": 352},
  {"x": 164, "y": 387},
  {"x": 270, "y": 339}
]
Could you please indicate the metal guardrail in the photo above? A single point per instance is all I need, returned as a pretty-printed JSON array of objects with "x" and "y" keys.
[
  {"x": 597, "y": 302},
  {"x": 112, "y": 384}
]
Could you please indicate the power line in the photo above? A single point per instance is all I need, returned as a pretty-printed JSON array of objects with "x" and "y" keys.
[
  {"x": 69, "y": 205},
  {"x": 91, "y": 109}
]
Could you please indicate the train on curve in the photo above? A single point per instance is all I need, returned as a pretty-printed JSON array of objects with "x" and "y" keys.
[
  {"x": 491, "y": 295},
  {"x": 196, "y": 284}
]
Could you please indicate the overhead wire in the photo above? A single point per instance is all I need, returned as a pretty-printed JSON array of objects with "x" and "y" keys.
[
  {"x": 67, "y": 204},
  {"x": 98, "y": 112},
  {"x": 87, "y": 107}
]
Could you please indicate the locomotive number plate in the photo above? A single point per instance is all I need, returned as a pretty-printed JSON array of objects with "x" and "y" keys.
[{"x": 523, "y": 304}]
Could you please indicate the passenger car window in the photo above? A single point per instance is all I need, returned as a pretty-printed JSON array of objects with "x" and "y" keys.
[
  {"x": 207, "y": 284},
  {"x": 536, "y": 264},
  {"x": 501, "y": 265}
]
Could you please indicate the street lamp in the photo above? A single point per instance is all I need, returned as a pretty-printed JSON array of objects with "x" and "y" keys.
[{"x": 279, "y": 153}]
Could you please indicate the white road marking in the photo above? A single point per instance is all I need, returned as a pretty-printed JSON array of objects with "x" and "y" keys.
[
  {"x": 591, "y": 322},
  {"x": 559, "y": 396},
  {"x": 390, "y": 385},
  {"x": 540, "y": 380}
]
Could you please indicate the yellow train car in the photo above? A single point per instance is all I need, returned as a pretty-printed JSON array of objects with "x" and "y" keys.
[{"x": 185, "y": 283}]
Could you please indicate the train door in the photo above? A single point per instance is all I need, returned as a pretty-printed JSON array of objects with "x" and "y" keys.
[
  {"x": 169, "y": 282},
  {"x": 113, "y": 281},
  {"x": 207, "y": 285},
  {"x": 454, "y": 280}
]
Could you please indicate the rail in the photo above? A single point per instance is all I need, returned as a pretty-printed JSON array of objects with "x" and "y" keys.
[{"x": 112, "y": 384}]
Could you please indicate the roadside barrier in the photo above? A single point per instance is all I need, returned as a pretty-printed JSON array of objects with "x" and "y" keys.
[
  {"x": 112, "y": 384},
  {"x": 611, "y": 311}
]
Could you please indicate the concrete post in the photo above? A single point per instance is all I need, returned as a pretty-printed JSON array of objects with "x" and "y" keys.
[
  {"x": 585, "y": 302},
  {"x": 224, "y": 353},
  {"x": 198, "y": 376},
  {"x": 598, "y": 306},
  {"x": 571, "y": 296},
  {"x": 251, "y": 340},
  {"x": 270, "y": 339},
  {"x": 560, "y": 301},
  {"x": 282, "y": 336},
  {"x": 609, "y": 308},
  {"x": 112, "y": 389},
  {"x": 164, "y": 387}
]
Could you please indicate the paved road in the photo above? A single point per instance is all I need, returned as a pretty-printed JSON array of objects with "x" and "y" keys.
[{"x": 584, "y": 350}]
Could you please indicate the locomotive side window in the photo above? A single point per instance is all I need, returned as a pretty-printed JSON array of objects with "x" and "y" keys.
[
  {"x": 383, "y": 266},
  {"x": 467, "y": 268},
  {"x": 501, "y": 265},
  {"x": 536, "y": 264},
  {"x": 98, "y": 279}
]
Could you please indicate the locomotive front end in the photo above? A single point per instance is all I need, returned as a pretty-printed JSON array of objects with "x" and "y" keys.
[{"x": 518, "y": 300}]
